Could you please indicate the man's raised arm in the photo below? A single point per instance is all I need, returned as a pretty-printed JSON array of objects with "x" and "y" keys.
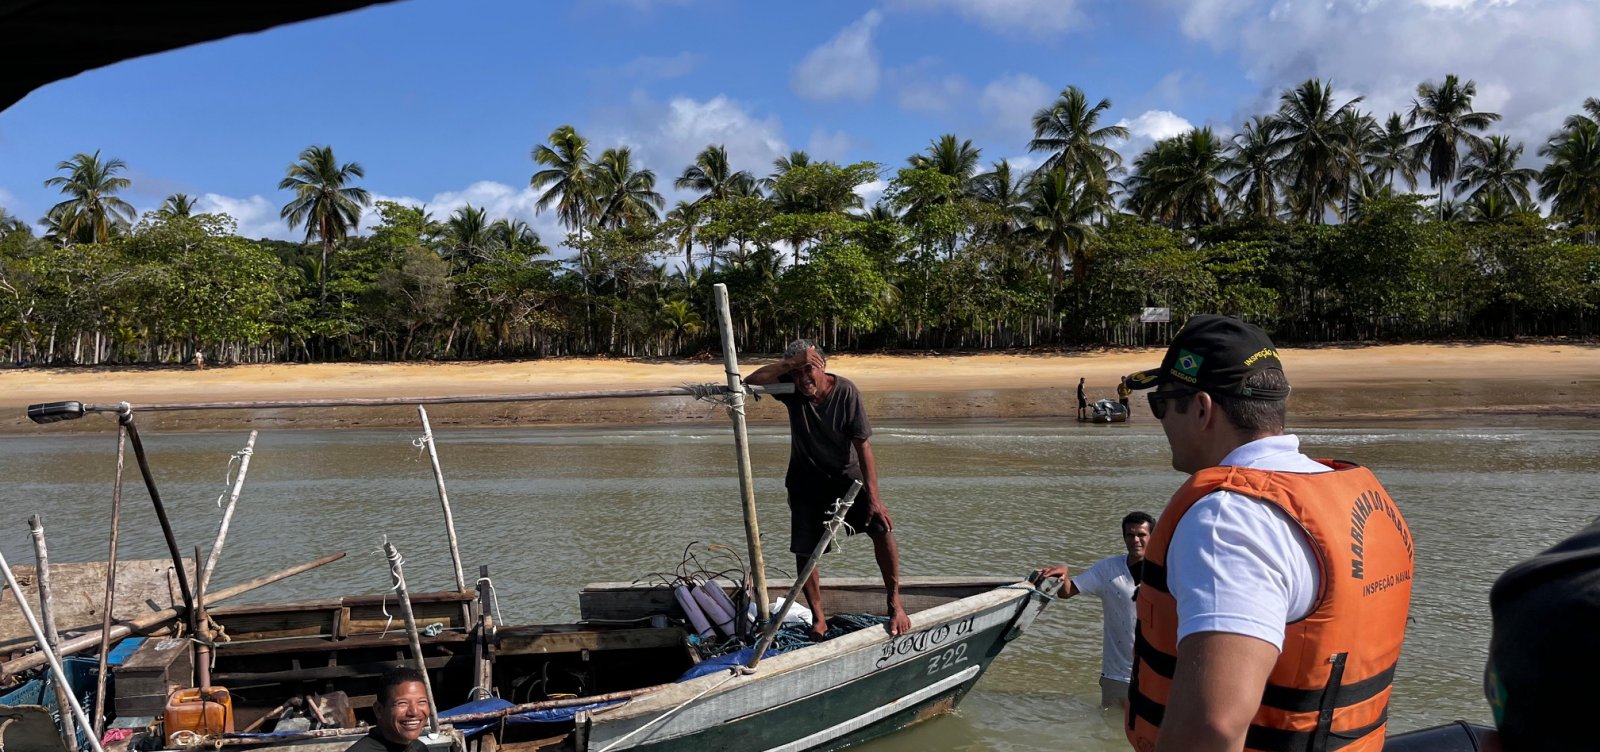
[{"x": 769, "y": 374}]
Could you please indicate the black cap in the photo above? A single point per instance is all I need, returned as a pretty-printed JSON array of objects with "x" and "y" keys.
[
  {"x": 1216, "y": 354},
  {"x": 1545, "y": 610}
]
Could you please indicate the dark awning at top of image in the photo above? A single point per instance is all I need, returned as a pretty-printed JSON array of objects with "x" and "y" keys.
[{"x": 47, "y": 40}]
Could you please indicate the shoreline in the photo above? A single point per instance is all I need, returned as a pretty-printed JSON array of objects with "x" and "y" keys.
[{"x": 1543, "y": 382}]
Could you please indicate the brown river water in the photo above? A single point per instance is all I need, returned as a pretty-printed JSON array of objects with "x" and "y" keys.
[{"x": 550, "y": 509}]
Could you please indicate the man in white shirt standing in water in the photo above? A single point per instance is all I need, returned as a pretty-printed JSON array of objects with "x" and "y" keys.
[{"x": 1113, "y": 579}]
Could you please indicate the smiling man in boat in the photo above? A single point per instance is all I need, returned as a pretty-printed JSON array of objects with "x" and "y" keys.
[
  {"x": 402, "y": 710},
  {"x": 829, "y": 450}
]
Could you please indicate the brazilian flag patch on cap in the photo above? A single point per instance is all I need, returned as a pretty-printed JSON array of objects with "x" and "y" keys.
[{"x": 1188, "y": 364}]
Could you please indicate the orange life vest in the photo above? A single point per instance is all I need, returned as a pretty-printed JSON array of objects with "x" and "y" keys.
[{"x": 1329, "y": 689}]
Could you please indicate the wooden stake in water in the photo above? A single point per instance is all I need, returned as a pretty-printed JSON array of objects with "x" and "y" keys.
[
  {"x": 741, "y": 447},
  {"x": 110, "y": 604},
  {"x": 227, "y": 517},
  {"x": 444, "y": 499},
  {"x": 398, "y": 576},
  {"x": 47, "y": 638}
]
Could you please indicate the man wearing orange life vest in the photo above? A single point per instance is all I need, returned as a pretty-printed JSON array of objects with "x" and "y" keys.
[{"x": 1275, "y": 586}]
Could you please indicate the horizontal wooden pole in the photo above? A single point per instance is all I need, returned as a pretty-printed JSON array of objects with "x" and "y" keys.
[{"x": 676, "y": 391}]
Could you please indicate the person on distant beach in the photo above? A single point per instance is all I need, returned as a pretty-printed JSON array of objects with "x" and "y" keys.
[
  {"x": 829, "y": 449},
  {"x": 199, "y": 360},
  {"x": 1114, "y": 580},
  {"x": 1083, "y": 403},
  {"x": 402, "y": 711},
  {"x": 1123, "y": 392},
  {"x": 1276, "y": 587}
]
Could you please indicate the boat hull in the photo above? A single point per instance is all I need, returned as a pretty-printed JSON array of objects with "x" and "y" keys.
[{"x": 844, "y": 692}]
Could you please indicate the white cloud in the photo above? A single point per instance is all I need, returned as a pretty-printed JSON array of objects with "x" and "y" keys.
[
  {"x": 829, "y": 145},
  {"x": 1522, "y": 54},
  {"x": 1155, "y": 125},
  {"x": 933, "y": 96},
  {"x": 257, "y": 215},
  {"x": 869, "y": 192},
  {"x": 666, "y": 136},
  {"x": 1010, "y": 101},
  {"x": 1019, "y": 17},
  {"x": 661, "y": 67},
  {"x": 846, "y": 67}
]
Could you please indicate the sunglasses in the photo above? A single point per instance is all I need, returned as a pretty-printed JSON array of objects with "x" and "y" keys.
[{"x": 1160, "y": 400}]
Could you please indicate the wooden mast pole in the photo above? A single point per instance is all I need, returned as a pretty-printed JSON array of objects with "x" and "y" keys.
[
  {"x": 741, "y": 446},
  {"x": 398, "y": 576},
  {"x": 444, "y": 501},
  {"x": 204, "y": 575},
  {"x": 64, "y": 696},
  {"x": 110, "y": 605}
]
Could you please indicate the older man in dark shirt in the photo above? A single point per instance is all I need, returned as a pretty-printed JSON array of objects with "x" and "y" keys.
[{"x": 829, "y": 449}]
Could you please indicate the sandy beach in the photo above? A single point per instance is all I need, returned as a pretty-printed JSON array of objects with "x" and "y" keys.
[{"x": 1499, "y": 382}]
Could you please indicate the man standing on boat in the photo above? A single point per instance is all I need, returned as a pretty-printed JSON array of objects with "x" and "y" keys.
[
  {"x": 402, "y": 711},
  {"x": 1276, "y": 587},
  {"x": 829, "y": 449},
  {"x": 1114, "y": 580}
]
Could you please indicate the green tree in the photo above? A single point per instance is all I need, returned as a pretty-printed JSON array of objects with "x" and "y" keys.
[
  {"x": 622, "y": 193},
  {"x": 1442, "y": 121},
  {"x": 1393, "y": 155},
  {"x": 92, "y": 212},
  {"x": 565, "y": 178},
  {"x": 325, "y": 201},
  {"x": 1254, "y": 163},
  {"x": 1317, "y": 157},
  {"x": 1491, "y": 171},
  {"x": 714, "y": 177},
  {"x": 1063, "y": 212},
  {"x": 950, "y": 155},
  {"x": 177, "y": 205},
  {"x": 1179, "y": 181},
  {"x": 1570, "y": 181},
  {"x": 1069, "y": 131}
]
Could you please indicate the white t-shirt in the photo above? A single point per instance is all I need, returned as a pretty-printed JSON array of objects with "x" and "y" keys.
[
  {"x": 1240, "y": 565},
  {"x": 1110, "y": 579}
]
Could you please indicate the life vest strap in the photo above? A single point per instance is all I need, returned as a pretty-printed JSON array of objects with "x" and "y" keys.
[
  {"x": 1278, "y": 740},
  {"x": 1291, "y": 700}
]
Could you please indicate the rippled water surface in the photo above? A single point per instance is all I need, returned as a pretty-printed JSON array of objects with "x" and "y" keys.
[{"x": 552, "y": 509}]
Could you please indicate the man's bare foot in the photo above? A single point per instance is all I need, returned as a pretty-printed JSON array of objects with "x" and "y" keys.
[{"x": 899, "y": 622}]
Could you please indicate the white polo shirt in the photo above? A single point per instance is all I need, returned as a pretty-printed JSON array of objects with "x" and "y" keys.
[{"x": 1240, "y": 565}]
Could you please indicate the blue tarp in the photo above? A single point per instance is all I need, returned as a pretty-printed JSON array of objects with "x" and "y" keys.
[{"x": 722, "y": 662}]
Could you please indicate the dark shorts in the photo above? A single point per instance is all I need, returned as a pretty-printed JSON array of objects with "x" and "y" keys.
[
  {"x": 808, "y": 514},
  {"x": 1082, "y": 403}
]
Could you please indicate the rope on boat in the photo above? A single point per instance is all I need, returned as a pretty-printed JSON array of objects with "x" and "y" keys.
[
  {"x": 493, "y": 594},
  {"x": 10, "y": 719},
  {"x": 395, "y": 562},
  {"x": 421, "y": 443},
  {"x": 227, "y": 476},
  {"x": 733, "y": 673}
]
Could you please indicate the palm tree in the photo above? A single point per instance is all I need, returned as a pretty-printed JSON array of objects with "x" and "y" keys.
[
  {"x": 467, "y": 236},
  {"x": 713, "y": 177},
  {"x": 1392, "y": 155},
  {"x": 1178, "y": 181},
  {"x": 515, "y": 236},
  {"x": 782, "y": 165},
  {"x": 1491, "y": 170},
  {"x": 949, "y": 155},
  {"x": 91, "y": 209},
  {"x": 324, "y": 201},
  {"x": 1447, "y": 121},
  {"x": 1063, "y": 210},
  {"x": 680, "y": 321},
  {"x": 1316, "y": 155},
  {"x": 1362, "y": 137},
  {"x": 1571, "y": 179},
  {"x": 176, "y": 205},
  {"x": 1254, "y": 161},
  {"x": 565, "y": 179},
  {"x": 1004, "y": 193},
  {"x": 1590, "y": 114},
  {"x": 686, "y": 217},
  {"x": 1069, "y": 129},
  {"x": 623, "y": 194}
]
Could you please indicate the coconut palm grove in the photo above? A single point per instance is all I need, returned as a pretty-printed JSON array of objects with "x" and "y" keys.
[{"x": 1319, "y": 220}]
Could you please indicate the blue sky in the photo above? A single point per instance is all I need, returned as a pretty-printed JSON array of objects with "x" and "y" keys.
[{"x": 441, "y": 102}]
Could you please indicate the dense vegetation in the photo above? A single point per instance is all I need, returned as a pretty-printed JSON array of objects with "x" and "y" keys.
[{"x": 1304, "y": 221}]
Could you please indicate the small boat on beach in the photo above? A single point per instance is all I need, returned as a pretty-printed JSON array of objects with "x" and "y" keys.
[{"x": 1107, "y": 411}]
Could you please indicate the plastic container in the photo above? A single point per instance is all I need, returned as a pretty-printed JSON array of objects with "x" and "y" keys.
[{"x": 198, "y": 710}]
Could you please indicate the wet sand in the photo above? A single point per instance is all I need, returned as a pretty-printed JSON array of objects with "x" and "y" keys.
[{"x": 1488, "y": 382}]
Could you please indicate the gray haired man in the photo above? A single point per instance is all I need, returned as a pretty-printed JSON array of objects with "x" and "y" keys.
[{"x": 829, "y": 449}]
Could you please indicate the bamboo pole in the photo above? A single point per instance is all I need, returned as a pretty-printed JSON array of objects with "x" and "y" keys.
[
  {"x": 202, "y": 635},
  {"x": 741, "y": 447},
  {"x": 148, "y": 621},
  {"x": 110, "y": 604},
  {"x": 444, "y": 499},
  {"x": 64, "y": 696},
  {"x": 398, "y": 576},
  {"x": 48, "y": 653},
  {"x": 828, "y": 531},
  {"x": 227, "y": 517}
]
